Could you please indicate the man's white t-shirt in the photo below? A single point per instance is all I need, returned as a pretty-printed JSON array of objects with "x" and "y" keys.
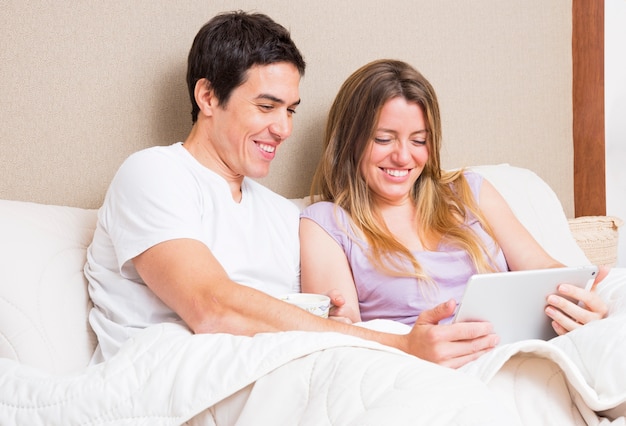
[{"x": 164, "y": 193}]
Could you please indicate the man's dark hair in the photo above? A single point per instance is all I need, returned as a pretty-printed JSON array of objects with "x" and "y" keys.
[{"x": 230, "y": 44}]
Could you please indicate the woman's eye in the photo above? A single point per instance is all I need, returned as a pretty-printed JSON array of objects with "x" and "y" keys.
[
  {"x": 382, "y": 140},
  {"x": 419, "y": 142}
]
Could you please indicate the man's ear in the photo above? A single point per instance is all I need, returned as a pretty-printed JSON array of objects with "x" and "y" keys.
[{"x": 205, "y": 98}]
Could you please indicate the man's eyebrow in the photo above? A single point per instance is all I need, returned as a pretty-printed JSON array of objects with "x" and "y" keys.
[{"x": 275, "y": 99}]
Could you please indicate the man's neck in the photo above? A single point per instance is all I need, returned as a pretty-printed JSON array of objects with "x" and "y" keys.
[{"x": 200, "y": 148}]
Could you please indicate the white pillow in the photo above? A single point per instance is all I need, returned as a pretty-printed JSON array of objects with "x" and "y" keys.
[{"x": 43, "y": 292}]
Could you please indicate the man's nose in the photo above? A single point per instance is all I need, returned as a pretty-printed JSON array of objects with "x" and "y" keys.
[{"x": 282, "y": 126}]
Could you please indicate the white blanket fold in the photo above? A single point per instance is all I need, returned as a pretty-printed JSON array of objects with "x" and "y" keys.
[{"x": 167, "y": 376}]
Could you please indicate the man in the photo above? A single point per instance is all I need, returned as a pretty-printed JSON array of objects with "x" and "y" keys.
[{"x": 186, "y": 236}]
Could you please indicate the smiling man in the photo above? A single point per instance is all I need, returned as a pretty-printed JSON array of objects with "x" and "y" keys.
[{"x": 184, "y": 234}]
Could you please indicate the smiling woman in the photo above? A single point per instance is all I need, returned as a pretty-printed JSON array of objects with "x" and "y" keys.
[
  {"x": 397, "y": 236},
  {"x": 380, "y": 176}
]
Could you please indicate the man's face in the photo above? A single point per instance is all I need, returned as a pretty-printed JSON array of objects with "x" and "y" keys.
[{"x": 247, "y": 131}]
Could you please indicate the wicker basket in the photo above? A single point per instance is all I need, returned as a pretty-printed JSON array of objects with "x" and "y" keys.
[{"x": 597, "y": 236}]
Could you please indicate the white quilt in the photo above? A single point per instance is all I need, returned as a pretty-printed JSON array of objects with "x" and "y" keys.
[{"x": 167, "y": 376}]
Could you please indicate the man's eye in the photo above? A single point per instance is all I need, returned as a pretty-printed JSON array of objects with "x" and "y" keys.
[
  {"x": 266, "y": 107},
  {"x": 291, "y": 110}
]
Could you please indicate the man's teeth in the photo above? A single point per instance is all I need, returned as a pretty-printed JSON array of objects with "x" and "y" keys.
[
  {"x": 267, "y": 148},
  {"x": 396, "y": 173}
]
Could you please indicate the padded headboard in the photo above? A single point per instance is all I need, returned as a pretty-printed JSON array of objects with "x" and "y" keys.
[{"x": 84, "y": 84}]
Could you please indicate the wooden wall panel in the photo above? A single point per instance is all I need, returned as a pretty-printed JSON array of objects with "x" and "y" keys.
[{"x": 588, "y": 99}]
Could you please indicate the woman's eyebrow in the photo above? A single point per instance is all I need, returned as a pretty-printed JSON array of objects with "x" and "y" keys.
[{"x": 384, "y": 130}]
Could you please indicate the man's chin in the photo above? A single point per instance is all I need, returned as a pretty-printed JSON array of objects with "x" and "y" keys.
[{"x": 259, "y": 173}]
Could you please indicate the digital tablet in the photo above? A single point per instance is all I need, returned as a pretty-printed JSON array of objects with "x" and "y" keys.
[{"x": 514, "y": 302}]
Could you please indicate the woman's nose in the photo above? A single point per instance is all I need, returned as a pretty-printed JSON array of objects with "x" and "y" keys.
[{"x": 401, "y": 152}]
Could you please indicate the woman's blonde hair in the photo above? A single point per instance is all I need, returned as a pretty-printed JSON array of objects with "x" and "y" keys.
[{"x": 443, "y": 199}]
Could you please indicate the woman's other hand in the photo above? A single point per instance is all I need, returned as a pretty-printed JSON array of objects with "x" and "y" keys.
[
  {"x": 572, "y": 307},
  {"x": 338, "y": 309}
]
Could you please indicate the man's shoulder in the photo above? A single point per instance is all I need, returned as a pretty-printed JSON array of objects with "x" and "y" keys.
[
  {"x": 262, "y": 192},
  {"x": 155, "y": 152},
  {"x": 155, "y": 161}
]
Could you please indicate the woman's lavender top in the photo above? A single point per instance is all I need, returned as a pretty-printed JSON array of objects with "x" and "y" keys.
[{"x": 403, "y": 298}]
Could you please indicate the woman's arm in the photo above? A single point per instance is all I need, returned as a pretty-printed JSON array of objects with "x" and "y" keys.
[
  {"x": 522, "y": 252},
  {"x": 325, "y": 270},
  {"x": 520, "y": 249}
]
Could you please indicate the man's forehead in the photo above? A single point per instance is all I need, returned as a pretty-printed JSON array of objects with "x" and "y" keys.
[
  {"x": 275, "y": 69},
  {"x": 278, "y": 82}
]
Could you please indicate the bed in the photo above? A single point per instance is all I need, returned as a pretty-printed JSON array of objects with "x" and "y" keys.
[{"x": 84, "y": 85}]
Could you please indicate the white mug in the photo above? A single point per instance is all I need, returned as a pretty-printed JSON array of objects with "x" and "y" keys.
[{"x": 317, "y": 304}]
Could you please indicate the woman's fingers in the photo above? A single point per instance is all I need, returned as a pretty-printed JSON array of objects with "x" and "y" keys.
[{"x": 573, "y": 307}]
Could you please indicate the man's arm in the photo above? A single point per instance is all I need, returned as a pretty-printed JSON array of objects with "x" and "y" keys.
[{"x": 185, "y": 275}]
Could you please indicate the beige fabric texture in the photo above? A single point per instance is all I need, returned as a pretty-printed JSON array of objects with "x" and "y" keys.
[
  {"x": 84, "y": 84},
  {"x": 598, "y": 236}
]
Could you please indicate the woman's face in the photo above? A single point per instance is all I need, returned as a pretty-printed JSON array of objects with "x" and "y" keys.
[{"x": 397, "y": 153}]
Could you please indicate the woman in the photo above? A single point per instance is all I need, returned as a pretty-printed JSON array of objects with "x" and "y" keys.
[{"x": 392, "y": 232}]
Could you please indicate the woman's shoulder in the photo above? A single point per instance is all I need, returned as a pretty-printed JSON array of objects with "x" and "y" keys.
[
  {"x": 474, "y": 181},
  {"x": 320, "y": 209},
  {"x": 326, "y": 214},
  {"x": 331, "y": 218},
  {"x": 471, "y": 175}
]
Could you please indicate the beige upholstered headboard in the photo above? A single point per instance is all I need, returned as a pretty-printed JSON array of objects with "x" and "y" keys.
[{"x": 84, "y": 84}]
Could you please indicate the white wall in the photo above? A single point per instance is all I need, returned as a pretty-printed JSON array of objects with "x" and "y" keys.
[{"x": 615, "y": 101}]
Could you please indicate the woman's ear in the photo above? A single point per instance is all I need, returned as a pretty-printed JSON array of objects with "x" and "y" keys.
[{"x": 205, "y": 97}]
